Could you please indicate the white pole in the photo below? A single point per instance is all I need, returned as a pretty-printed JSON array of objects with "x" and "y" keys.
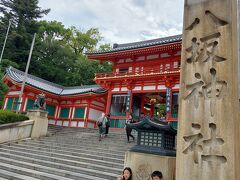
[
  {"x": 5, "y": 40},
  {"x": 25, "y": 74}
]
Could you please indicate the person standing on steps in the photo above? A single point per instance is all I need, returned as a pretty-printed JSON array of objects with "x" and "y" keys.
[
  {"x": 128, "y": 130},
  {"x": 101, "y": 123},
  {"x": 107, "y": 124}
]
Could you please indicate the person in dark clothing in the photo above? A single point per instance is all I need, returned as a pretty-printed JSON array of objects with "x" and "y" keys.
[
  {"x": 107, "y": 124},
  {"x": 128, "y": 130}
]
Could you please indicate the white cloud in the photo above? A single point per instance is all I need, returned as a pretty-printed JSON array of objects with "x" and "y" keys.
[{"x": 120, "y": 21}]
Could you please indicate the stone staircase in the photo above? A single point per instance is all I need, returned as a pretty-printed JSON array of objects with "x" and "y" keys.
[{"x": 67, "y": 153}]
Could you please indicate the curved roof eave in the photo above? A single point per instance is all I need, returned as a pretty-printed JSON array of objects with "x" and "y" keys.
[
  {"x": 52, "y": 88},
  {"x": 139, "y": 45}
]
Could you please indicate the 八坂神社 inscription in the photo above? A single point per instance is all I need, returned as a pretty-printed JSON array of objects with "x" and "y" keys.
[{"x": 208, "y": 86}]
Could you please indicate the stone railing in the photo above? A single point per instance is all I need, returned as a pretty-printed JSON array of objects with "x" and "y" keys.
[
  {"x": 16, "y": 131},
  {"x": 33, "y": 128}
]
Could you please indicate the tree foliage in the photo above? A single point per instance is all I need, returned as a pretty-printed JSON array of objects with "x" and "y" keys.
[
  {"x": 23, "y": 15},
  {"x": 59, "y": 54}
]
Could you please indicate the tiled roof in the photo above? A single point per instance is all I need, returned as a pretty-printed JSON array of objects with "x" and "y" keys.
[
  {"x": 17, "y": 76},
  {"x": 140, "y": 44}
]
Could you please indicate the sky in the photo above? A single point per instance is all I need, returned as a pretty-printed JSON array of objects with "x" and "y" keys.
[{"x": 119, "y": 21}]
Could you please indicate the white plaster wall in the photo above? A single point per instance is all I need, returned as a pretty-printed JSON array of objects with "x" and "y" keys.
[
  {"x": 154, "y": 56},
  {"x": 73, "y": 124},
  {"x": 149, "y": 88},
  {"x": 164, "y": 55},
  {"x": 65, "y": 123},
  {"x": 59, "y": 123},
  {"x": 81, "y": 124},
  {"x": 115, "y": 89},
  {"x": 177, "y": 86},
  {"x": 14, "y": 93},
  {"x": 31, "y": 94},
  {"x": 162, "y": 87},
  {"x": 137, "y": 88},
  {"x": 51, "y": 121},
  {"x": 94, "y": 114},
  {"x": 98, "y": 103},
  {"x": 124, "y": 89}
]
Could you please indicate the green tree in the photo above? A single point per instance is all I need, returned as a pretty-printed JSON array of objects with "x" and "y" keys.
[
  {"x": 81, "y": 41},
  {"x": 23, "y": 14},
  {"x": 59, "y": 54},
  {"x": 3, "y": 88}
]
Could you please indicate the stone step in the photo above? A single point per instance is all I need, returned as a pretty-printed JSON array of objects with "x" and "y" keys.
[
  {"x": 70, "y": 151},
  {"x": 76, "y": 130},
  {"x": 11, "y": 175},
  {"x": 30, "y": 172},
  {"x": 62, "y": 164},
  {"x": 60, "y": 172},
  {"x": 108, "y": 139},
  {"x": 116, "y": 154},
  {"x": 80, "y": 155},
  {"x": 94, "y": 143},
  {"x": 87, "y": 135},
  {"x": 40, "y": 155},
  {"x": 66, "y": 153},
  {"x": 82, "y": 146},
  {"x": 91, "y": 138},
  {"x": 89, "y": 144},
  {"x": 72, "y": 131},
  {"x": 93, "y": 131}
]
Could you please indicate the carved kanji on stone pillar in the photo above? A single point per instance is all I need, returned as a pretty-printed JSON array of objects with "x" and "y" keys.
[{"x": 208, "y": 134}]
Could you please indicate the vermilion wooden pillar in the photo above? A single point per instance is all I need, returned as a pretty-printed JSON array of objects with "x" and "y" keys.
[{"x": 87, "y": 113}]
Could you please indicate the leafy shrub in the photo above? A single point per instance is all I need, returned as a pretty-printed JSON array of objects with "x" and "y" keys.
[{"x": 11, "y": 117}]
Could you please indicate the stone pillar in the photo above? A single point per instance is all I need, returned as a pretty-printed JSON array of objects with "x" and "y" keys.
[
  {"x": 40, "y": 126},
  {"x": 208, "y": 134}
]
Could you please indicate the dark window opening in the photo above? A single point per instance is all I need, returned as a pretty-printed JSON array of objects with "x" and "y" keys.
[
  {"x": 123, "y": 70},
  {"x": 118, "y": 105}
]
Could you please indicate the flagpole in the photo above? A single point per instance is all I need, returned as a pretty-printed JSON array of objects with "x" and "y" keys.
[
  {"x": 5, "y": 40},
  {"x": 25, "y": 74}
]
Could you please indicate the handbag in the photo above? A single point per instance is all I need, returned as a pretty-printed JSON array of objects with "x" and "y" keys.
[{"x": 99, "y": 123}]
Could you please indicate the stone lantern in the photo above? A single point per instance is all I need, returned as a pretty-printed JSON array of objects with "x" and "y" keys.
[{"x": 154, "y": 137}]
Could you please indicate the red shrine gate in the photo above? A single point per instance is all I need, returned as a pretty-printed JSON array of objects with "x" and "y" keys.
[{"x": 144, "y": 79}]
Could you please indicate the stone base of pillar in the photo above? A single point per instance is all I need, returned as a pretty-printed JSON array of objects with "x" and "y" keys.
[
  {"x": 40, "y": 126},
  {"x": 143, "y": 165}
]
